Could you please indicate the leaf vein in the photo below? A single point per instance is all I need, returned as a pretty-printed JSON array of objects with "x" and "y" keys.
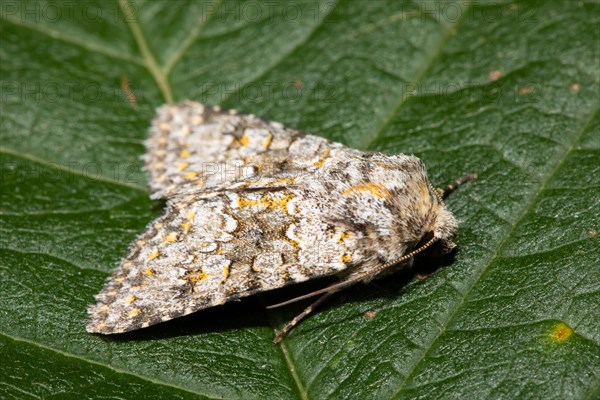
[
  {"x": 150, "y": 62},
  {"x": 72, "y": 39},
  {"x": 108, "y": 366},
  {"x": 189, "y": 40},
  {"x": 72, "y": 171}
]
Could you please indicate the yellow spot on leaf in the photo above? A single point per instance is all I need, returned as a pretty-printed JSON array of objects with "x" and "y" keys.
[
  {"x": 134, "y": 313},
  {"x": 154, "y": 254},
  {"x": 148, "y": 272},
  {"x": 182, "y": 166},
  {"x": 171, "y": 237},
  {"x": 371, "y": 188},
  {"x": 185, "y": 154},
  {"x": 561, "y": 332}
]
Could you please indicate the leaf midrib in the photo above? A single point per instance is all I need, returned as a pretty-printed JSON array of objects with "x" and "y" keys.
[{"x": 155, "y": 69}]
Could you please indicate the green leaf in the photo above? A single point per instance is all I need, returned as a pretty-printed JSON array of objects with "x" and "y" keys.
[{"x": 508, "y": 90}]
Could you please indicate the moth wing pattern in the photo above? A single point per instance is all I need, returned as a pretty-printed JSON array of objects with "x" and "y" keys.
[
  {"x": 206, "y": 251},
  {"x": 253, "y": 206},
  {"x": 192, "y": 146}
]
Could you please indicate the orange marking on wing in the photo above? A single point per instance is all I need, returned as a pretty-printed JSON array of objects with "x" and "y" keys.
[{"x": 375, "y": 190}]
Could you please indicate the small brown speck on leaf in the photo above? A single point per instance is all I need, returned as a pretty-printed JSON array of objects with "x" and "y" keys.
[
  {"x": 575, "y": 88},
  {"x": 494, "y": 75},
  {"x": 525, "y": 90},
  {"x": 128, "y": 92}
]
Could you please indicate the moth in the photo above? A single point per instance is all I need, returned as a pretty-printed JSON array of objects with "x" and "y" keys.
[{"x": 252, "y": 205}]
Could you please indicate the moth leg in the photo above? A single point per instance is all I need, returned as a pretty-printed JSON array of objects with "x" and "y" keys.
[
  {"x": 443, "y": 192},
  {"x": 292, "y": 324}
]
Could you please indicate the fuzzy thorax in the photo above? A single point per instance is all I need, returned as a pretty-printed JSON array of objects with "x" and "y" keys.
[{"x": 386, "y": 200}]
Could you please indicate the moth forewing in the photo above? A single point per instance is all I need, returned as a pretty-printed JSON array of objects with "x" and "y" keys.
[{"x": 253, "y": 206}]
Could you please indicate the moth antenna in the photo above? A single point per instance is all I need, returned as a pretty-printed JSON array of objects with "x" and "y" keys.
[
  {"x": 336, "y": 287},
  {"x": 407, "y": 256},
  {"x": 443, "y": 193}
]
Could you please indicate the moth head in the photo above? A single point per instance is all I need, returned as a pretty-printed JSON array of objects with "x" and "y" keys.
[
  {"x": 437, "y": 237},
  {"x": 444, "y": 230},
  {"x": 431, "y": 227}
]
